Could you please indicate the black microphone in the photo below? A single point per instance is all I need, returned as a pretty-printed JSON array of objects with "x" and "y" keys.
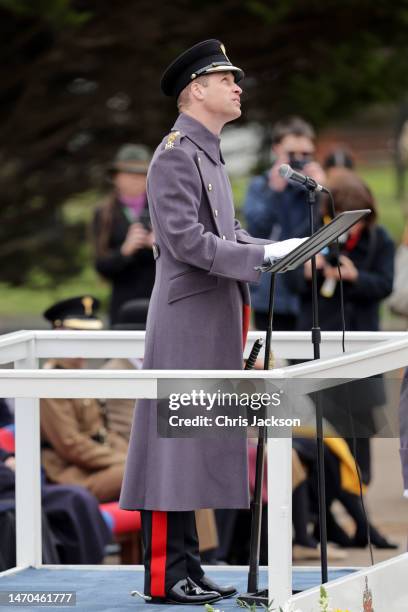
[{"x": 289, "y": 174}]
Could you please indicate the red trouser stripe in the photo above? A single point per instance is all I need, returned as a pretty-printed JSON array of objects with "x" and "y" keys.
[
  {"x": 159, "y": 551},
  {"x": 246, "y": 315}
]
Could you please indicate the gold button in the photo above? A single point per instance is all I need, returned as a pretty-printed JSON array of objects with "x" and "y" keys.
[
  {"x": 215, "y": 212},
  {"x": 209, "y": 187},
  {"x": 223, "y": 237}
]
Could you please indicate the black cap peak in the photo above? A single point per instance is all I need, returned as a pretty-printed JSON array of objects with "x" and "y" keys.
[{"x": 205, "y": 57}]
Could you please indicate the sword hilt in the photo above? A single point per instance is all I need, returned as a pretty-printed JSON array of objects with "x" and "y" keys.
[{"x": 253, "y": 356}]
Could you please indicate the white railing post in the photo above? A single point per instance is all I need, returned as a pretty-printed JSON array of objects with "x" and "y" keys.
[
  {"x": 28, "y": 462},
  {"x": 279, "y": 453}
]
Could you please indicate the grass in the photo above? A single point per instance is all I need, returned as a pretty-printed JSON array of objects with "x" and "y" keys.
[
  {"x": 27, "y": 301},
  {"x": 391, "y": 212}
]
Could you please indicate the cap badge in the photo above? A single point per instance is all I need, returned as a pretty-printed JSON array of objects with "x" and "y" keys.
[
  {"x": 224, "y": 52},
  {"x": 87, "y": 303},
  {"x": 170, "y": 140}
]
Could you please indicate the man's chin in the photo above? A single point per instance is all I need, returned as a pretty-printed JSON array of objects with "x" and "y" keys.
[{"x": 234, "y": 114}]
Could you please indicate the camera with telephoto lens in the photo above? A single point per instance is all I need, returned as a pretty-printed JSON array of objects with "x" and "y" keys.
[
  {"x": 332, "y": 252},
  {"x": 298, "y": 163}
]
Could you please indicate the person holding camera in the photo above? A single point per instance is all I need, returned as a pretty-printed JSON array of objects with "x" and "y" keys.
[
  {"x": 122, "y": 230},
  {"x": 366, "y": 263},
  {"x": 366, "y": 260},
  {"x": 276, "y": 209}
]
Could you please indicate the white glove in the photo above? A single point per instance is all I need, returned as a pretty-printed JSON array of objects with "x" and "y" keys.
[
  {"x": 406, "y": 493},
  {"x": 277, "y": 250}
]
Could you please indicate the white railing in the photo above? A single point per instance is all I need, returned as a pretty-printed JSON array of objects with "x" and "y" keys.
[{"x": 367, "y": 354}]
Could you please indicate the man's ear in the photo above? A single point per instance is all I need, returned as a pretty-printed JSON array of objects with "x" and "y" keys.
[{"x": 197, "y": 90}]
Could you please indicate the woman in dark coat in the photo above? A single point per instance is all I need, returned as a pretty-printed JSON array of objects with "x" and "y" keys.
[
  {"x": 367, "y": 269},
  {"x": 122, "y": 231}
]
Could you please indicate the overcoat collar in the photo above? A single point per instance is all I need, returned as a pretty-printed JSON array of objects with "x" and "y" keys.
[{"x": 200, "y": 135}]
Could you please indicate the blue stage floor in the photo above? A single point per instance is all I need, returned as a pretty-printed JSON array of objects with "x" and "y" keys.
[{"x": 105, "y": 590}]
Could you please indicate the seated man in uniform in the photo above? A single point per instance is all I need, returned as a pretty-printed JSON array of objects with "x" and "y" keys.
[
  {"x": 76, "y": 446},
  {"x": 73, "y": 528},
  {"x": 119, "y": 411}
]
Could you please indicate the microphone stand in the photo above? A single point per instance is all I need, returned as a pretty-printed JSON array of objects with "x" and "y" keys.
[
  {"x": 253, "y": 594},
  {"x": 313, "y": 245},
  {"x": 316, "y": 341}
]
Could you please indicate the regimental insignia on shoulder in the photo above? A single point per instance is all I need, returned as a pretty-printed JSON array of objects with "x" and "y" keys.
[{"x": 171, "y": 138}]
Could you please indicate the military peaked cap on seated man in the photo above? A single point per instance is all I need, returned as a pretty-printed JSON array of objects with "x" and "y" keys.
[
  {"x": 204, "y": 58},
  {"x": 74, "y": 313}
]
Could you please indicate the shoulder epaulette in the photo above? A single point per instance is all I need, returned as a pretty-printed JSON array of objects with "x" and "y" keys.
[{"x": 172, "y": 139}]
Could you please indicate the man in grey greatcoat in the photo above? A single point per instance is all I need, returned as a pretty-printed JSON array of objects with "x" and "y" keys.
[{"x": 198, "y": 311}]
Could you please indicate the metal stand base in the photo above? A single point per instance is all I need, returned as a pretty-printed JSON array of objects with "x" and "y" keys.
[{"x": 259, "y": 598}]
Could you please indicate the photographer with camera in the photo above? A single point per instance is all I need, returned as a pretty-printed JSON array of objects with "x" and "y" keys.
[
  {"x": 275, "y": 209},
  {"x": 366, "y": 261}
]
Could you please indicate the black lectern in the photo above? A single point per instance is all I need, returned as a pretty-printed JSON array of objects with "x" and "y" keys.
[{"x": 307, "y": 250}]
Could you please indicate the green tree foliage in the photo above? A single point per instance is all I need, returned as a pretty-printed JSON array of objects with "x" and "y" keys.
[
  {"x": 82, "y": 77},
  {"x": 58, "y": 13}
]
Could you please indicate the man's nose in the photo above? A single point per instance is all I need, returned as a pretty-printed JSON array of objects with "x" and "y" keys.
[{"x": 237, "y": 89}]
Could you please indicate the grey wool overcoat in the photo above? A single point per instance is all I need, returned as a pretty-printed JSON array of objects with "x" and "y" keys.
[{"x": 195, "y": 321}]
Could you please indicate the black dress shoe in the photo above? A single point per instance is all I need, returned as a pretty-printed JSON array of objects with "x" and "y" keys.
[
  {"x": 186, "y": 592},
  {"x": 208, "y": 585}
]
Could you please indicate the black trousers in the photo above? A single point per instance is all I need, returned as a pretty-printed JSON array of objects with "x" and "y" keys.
[{"x": 171, "y": 550}]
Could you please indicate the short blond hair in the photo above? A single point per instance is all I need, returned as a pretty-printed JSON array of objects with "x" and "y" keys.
[{"x": 184, "y": 99}]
